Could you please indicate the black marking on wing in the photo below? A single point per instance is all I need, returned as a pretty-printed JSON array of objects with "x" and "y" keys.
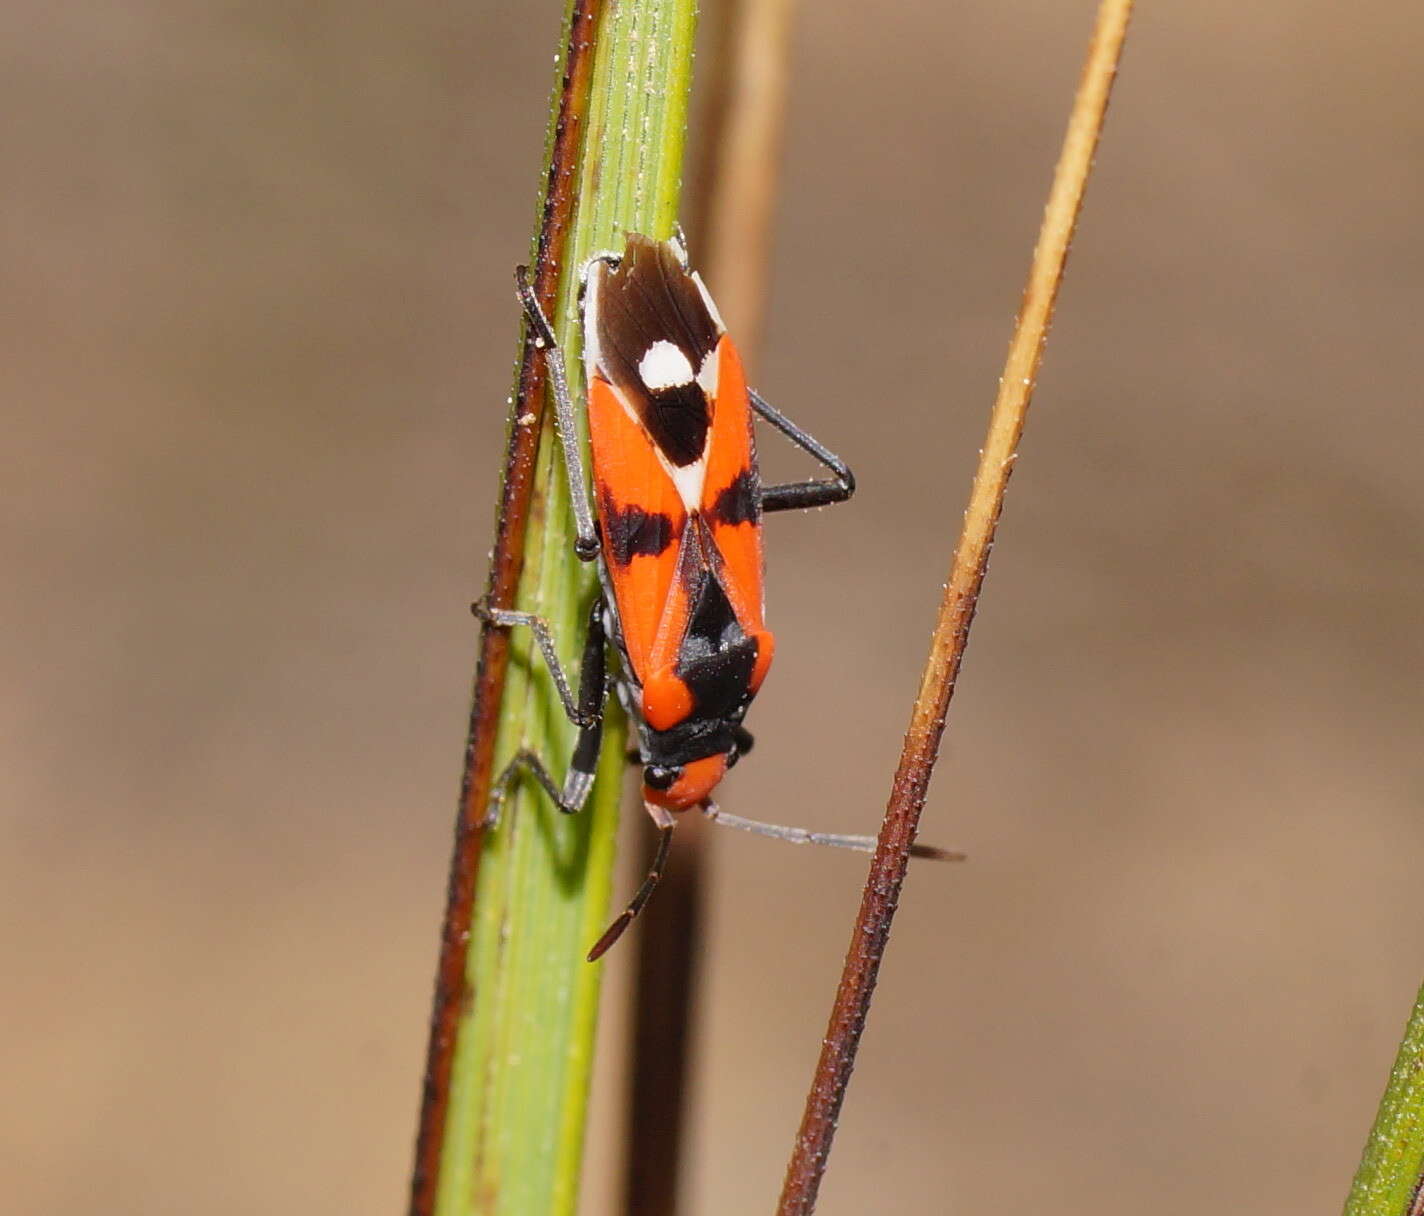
[
  {"x": 632, "y": 531},
  {"x": 712, "y": 625},
  {"x": 651, "y": 298},
  {"x": 678, "y": 418},
  {"x": 716, "y": 659},
  {"x": 739, "y": 502},
  {"x": 720, "y": 684}
]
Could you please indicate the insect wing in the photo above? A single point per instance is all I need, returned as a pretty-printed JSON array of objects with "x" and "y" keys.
[
  {"x": 674, "y": 468},
  {"x": 731, "y": 491},
  {"x": 643, "y": 520}
]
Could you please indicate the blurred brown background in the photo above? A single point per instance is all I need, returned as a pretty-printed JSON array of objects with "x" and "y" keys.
[{"x": 256, "y": 332}]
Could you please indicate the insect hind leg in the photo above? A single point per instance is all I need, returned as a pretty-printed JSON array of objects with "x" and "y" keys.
[
  {"x": 570, "y": 799},
  {"x": 794, "y": 495},
  {"x": 586, "y": 712}
]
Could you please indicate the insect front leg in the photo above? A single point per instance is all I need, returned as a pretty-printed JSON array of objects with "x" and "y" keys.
[
  {"x": 585, "y": 712},
  {"x": 794, "y": 495},
  {"x": 586, "y": 541}
]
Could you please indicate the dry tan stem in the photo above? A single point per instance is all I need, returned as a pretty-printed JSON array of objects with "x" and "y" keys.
[{"x": 956, "y": 613}]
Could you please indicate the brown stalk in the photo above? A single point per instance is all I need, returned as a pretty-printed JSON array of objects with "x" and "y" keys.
[
  {"x": 907, "y": 794},
  {"x": 506, "y": 563},
  {"x": 733, "y": 210}
]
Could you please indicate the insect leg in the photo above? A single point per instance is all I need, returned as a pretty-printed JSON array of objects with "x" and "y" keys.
[
  {"x": 586, "y": 543},
  {"x": 801, "y": 494},
  {"x": 664, "y": 822},
  {"x": 593, "y": 689},
  {"x": 586, "y": 713},
  {"x": 861, "y": 844},
  {"x": 523, "y": 761},
  {"x": 578, "y": 711}
]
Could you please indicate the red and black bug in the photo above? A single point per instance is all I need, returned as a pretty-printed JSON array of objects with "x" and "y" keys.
[{"x": 678, "y": 540}]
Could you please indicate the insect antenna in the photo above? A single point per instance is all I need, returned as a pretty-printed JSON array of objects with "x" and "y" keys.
[
  {"x": 614, "y": 931},
  {"x": 861, "y": 844}
]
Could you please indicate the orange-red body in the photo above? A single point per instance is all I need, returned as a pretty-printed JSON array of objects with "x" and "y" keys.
[
  {"x": 678, "y": 537},
  {"x": 678, "y": 497}
]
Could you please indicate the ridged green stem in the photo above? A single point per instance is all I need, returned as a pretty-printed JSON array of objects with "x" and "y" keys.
[{"x": 514, "y": 1131}]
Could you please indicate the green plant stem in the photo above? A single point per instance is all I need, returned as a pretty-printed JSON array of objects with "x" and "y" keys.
[
  {"x": 503, "y": 1126},
  {"x": 1391, "y": 1173},
  {"x": 506, "y": 566}
]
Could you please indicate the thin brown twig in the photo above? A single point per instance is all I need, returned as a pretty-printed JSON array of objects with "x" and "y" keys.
[
  {"x": 907, "y": 795},
  {"x": 507, "y": 561},
  {"x": 733, "y": 210}
]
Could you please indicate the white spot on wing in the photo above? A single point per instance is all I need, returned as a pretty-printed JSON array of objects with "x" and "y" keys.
[
  {"x": 707, "y": 299},
  {"x": 688, "y": 481},
  {"x": 592, "y": 296},
  {"x": 707, "y": 375},
  {"x": 664, "y": 366}
]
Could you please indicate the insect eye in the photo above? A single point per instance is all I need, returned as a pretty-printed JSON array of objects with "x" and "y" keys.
[{"x": 657, "y": 777}]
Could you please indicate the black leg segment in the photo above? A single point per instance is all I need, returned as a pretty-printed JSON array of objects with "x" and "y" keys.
[
  {"x": 799, "y": 495},
  {"x": 524, "y": 761},
  {"x": 586, "y": 713}
]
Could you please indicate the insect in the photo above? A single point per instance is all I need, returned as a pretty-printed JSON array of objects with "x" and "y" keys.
[{"x": 677, "y": 539}]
